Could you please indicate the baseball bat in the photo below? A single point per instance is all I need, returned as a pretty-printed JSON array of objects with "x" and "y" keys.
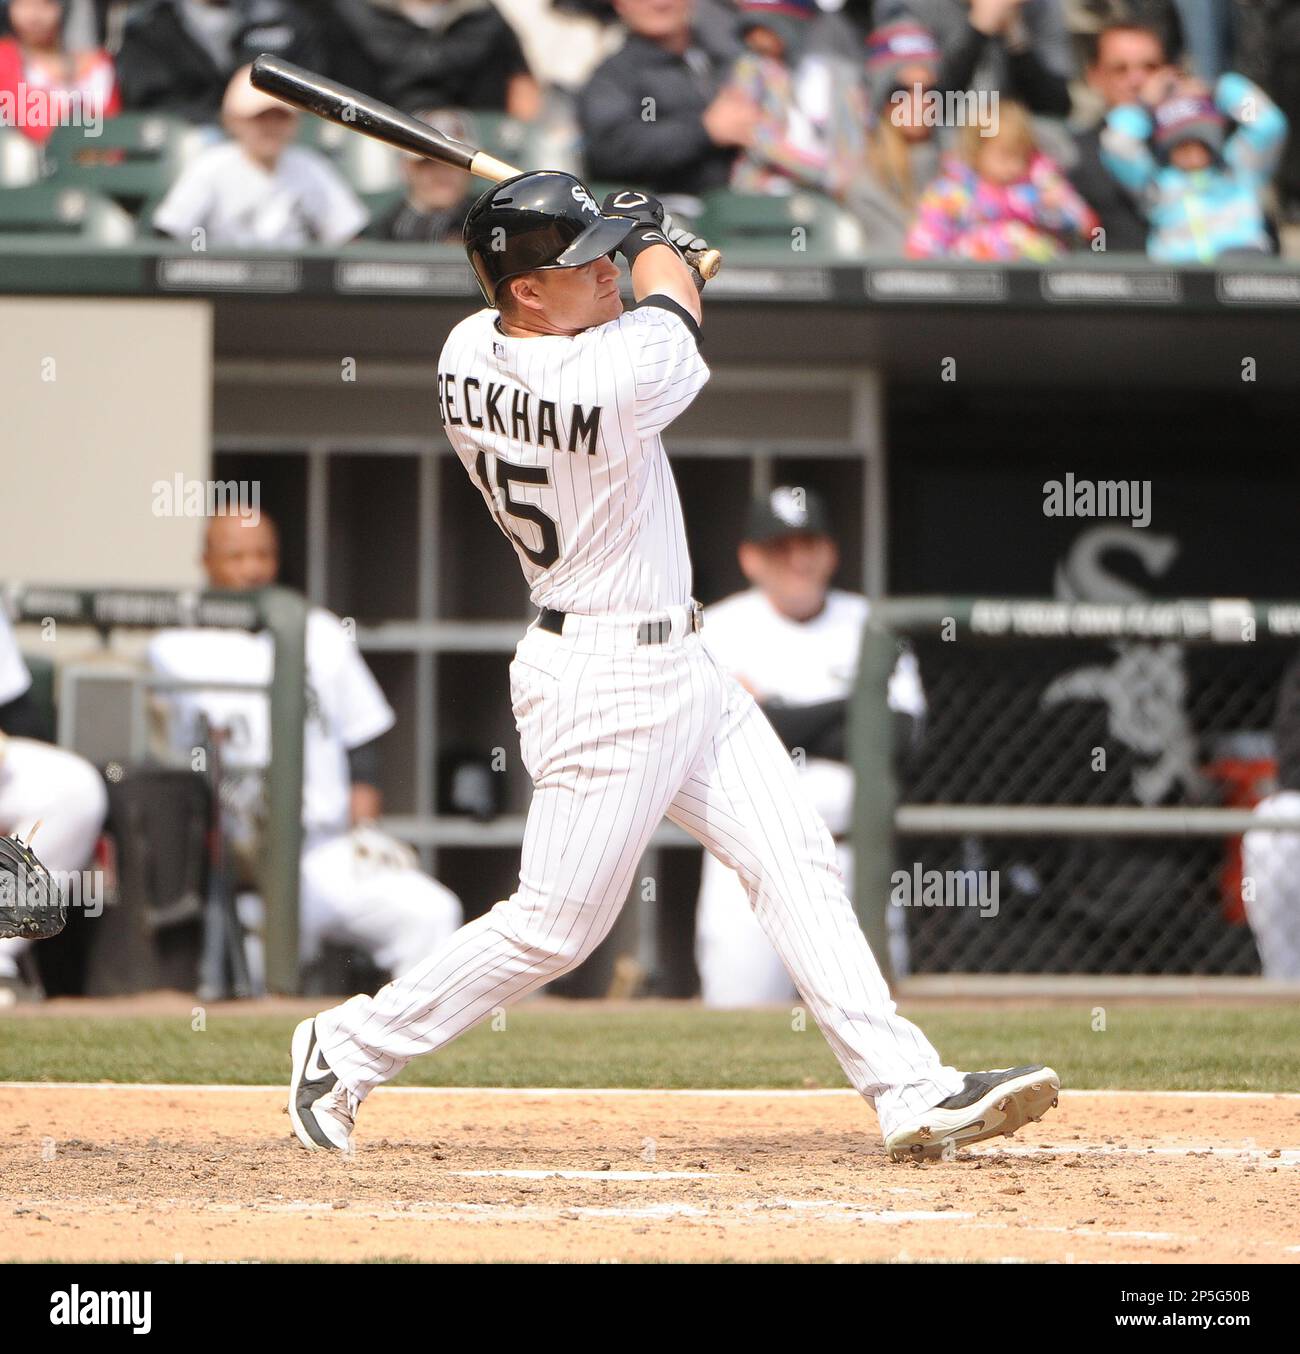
[{"x": 371, "y": 117}]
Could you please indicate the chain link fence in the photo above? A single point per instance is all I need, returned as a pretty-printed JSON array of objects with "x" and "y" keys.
[{"x": 1076, "y": 799}]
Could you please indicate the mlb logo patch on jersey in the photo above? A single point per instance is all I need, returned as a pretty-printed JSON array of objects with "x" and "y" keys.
[{"x": 498, "y": 349}]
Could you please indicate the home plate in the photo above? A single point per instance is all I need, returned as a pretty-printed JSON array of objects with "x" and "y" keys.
[{"x": 592, "y": 1175}]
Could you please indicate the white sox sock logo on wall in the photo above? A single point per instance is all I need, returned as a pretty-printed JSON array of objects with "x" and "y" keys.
[{"x": 1145, "y": 688}]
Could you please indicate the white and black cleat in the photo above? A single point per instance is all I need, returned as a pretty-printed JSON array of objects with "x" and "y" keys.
[
  {"x": 321, "y": 1109},
  {"x": 989, "y": 1103}
]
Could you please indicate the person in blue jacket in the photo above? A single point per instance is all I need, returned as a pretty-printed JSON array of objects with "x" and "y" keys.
[{"x": 1201, "y": 187}]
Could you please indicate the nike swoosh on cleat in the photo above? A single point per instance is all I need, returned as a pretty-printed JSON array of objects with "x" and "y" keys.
[{"x": 315, "y": 1069}]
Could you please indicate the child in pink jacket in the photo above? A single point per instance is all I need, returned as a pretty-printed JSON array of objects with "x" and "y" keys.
[{"x": 1000, "y": 198}]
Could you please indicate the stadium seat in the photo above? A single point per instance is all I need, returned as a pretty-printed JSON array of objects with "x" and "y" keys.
[
  {"x": 20, "y": 159},
  {"x": 41, "y": 695},
  {"x": 49, "y": 210},
  {"x": 503, "y": 136},
  {"x": 378, "y": 203},
  {"x": 368, "y": 165},
  {"x": 137, "y": 156},
  {"x": 757, "y": 225}
]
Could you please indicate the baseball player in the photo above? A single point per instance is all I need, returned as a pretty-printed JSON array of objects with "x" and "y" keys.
[
  {"x": 358, "y": 887},
  {"x": 791, "y": 640},
  {"x": 40, "y": 783},
  {"x": 1270, "y": 861},
  {"x": 556, "y": 398}
]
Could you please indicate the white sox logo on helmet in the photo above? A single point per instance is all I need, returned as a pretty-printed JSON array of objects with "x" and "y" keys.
[{"x": 584, "y": 199}]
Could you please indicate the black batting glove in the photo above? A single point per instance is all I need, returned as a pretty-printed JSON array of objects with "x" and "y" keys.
[
  {"x": 646, "y": 211},
  {"x": 631, "y": 202}
]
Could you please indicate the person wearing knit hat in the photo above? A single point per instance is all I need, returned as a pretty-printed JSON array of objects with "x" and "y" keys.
[
  {"x": 812, "y": 104},
  {"x": 903, "y": 144},
  {"x": 1021, "y": 48},
  {"x": 900, "y": 57},
  {"x": 1189, "y": 130},
  {"x": 776, "y": 28},
  {"x": 1202, "y": 188}
]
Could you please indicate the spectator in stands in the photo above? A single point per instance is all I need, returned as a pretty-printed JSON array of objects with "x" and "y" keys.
[
  {"x": 42, "y": 82},
  {"x": 1126, "y": 57},
  {"x": 358, "y": 887},
  {"x": 1000, "y": 197},
  {"x": 658, "y": 113},
  {"x": 714, "y": 19},
  {"x": 178, "y": 55},
  {"x": 792, "y": 641},
  {"x": 562, "y": 43},
  {"x": 258, "y": 190},
  {"x": 812, "y": 117},
  {"x": 1208, "y": 28},
  {"x": 438, "y": 196},
  {"x": 1283, "y": 78},
  {"x": 903, "y": 146},
  {"x": 39, "y": 783},
  {"x": 443, "y": 54},
  {"x": 1202, "y": 190},
  {"x": 1161, "y": 16},
  {"x": 1021, "y": 48}
]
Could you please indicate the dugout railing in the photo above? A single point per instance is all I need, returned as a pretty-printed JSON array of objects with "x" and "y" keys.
[
  {"x": 1090, "y": 766},
  {"x": 283, "y": 614}
]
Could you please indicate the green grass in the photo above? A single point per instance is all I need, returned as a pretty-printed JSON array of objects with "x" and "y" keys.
[{"x": 1155, "y": 1047}]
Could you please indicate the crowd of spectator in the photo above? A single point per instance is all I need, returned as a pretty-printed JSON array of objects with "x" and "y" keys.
[{"x": 976, "y": 129}]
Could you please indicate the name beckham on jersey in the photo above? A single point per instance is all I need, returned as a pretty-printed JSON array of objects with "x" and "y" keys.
[{"x": 482, "y": 406}]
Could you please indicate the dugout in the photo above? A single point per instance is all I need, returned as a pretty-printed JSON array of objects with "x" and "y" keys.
[{"x": 930, "y": 402}]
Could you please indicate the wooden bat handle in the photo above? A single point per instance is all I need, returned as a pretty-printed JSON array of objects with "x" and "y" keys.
[
  {"x": 485, "y": 166},
  {"x": 706, "y": 262}
]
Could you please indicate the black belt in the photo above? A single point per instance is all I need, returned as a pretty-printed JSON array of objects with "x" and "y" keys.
[{"x": 649, "y": 632}]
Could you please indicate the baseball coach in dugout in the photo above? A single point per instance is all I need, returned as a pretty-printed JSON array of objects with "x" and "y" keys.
[{"x": 555, "y": 398}]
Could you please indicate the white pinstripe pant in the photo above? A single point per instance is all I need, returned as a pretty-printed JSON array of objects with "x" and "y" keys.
[{"x": 615, "y": 736}]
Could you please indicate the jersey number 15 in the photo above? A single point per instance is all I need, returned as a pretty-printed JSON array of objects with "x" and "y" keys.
[{"x": 507, "y": 475}]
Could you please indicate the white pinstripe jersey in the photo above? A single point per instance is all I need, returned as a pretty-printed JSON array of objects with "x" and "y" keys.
[{"x": 562, "y": 437}]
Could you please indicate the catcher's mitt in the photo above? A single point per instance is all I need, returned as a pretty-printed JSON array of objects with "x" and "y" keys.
[{"x": 31, "y": 905}]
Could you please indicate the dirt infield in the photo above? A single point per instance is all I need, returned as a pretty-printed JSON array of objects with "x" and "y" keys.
[{"x": 109, "y": 1173}]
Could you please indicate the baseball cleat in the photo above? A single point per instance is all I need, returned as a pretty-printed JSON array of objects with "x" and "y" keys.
[
  {"x": 989, "y": 1103},
  {"x": 321, "y": 1108}
]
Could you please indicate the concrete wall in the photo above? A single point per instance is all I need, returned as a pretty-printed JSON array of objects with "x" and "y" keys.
[{"x": 100, "y": 400}]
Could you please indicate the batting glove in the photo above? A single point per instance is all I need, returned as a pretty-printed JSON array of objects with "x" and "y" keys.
[
  {"x": 683, "y": 238},
  {"x": 646, "y": 211}
]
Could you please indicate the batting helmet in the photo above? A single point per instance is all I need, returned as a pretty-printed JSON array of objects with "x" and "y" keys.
[{"x": 545, "y": 219}]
